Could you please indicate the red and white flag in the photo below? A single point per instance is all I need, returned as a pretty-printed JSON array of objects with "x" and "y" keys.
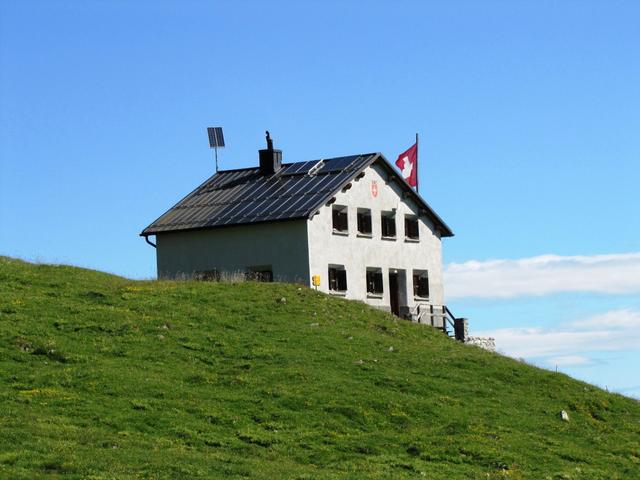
[{"x": 407, "y": 162}]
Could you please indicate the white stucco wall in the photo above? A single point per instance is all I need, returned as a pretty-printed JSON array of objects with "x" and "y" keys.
[
  {"x": 283, "y": 245},
  {"x": 357, "y": 253}
]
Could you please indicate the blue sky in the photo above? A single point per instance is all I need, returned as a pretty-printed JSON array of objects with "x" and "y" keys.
[{"x": 528, "y": 112}]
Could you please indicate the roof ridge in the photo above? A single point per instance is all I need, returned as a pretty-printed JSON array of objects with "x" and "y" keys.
[{"x": 302, "y": 161}]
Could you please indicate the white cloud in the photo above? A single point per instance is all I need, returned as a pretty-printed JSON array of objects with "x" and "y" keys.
[
  {"x": 622, "y": 318},
  {"x": 543, "y": 275},
  {"x": 610, "y": 331}
]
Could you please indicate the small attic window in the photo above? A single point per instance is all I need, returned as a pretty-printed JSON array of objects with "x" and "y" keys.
[
  {"x": 340, "y": 219},
  {"x": 364, "y": 221},
  {"x": 388, "y": 223},
  {"x": 411, "y": 228}
]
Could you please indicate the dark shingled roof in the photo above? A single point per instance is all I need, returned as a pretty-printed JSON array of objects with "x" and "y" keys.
[{"x": 297, "y": 191}]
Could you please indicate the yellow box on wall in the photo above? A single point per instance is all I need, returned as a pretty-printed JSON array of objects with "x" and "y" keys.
[{"x": 315, "y": 280}]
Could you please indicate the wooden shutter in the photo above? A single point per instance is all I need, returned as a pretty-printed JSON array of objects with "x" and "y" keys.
[
  {"x": 421, "y": 285},
  {"x": 411, "y": 228},
  {"x": 424, "y": 286},
  {"x": 343, "y": 221},
  {"x": 374, "y": 281},
  {"x": 385, "y": 226},
  {"x": 364, "y": 222},
  {"x": 377, "y": 278},
  {"x": 342, "y": 280},
  {"x": 332, "y": 279}
]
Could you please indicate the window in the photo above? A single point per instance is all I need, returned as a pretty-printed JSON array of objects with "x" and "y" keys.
[
  {"x": 337, "y": 278},
  {"x": 411, "y": 229},
  {"x": 374, "y": 281},
  {"x": 260, "y": 274},
  {"x": 340, "y": 219},
  {"x": 364, "y": 221},
  {"x": 421, "y": 283},
  {"x": 388, "y": 224}
]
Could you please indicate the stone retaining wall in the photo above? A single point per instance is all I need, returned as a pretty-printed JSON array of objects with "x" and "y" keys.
[{"x": 487, "y": 343}]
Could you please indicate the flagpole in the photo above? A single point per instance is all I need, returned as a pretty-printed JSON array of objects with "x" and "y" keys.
[{"x": 417, "y": 162}]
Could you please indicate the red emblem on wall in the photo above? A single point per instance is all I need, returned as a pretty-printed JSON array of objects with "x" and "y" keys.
[{"x": 374, "y": 188}]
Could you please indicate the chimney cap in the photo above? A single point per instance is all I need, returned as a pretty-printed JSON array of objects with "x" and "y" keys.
[{"x": 269, "y": 141}]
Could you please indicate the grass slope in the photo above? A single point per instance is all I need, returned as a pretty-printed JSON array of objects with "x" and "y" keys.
[{"x": 103, "y": 377}]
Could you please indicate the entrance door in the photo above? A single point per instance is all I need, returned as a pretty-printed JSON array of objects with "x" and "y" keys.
[{"x": 394, "y": 293}]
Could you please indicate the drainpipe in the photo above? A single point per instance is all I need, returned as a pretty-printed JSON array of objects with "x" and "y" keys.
[{"x": 146, "y": 239}]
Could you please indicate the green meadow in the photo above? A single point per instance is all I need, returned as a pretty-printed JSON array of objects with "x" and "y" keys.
[{"x": 103, "y": 377}]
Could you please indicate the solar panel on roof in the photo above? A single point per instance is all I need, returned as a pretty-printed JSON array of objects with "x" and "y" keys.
[
  {"x": 338, "y": 164},
  {"x": 298, "y": 168},
  {"x": 216, "y": 139},
  {"x": 238, "y": 197},
  {"x": 293, "y": 168}
]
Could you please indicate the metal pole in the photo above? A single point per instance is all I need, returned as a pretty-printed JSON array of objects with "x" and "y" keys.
[
  {"x": 417, "y": 161},
  {"x": 216, "y": 150}
]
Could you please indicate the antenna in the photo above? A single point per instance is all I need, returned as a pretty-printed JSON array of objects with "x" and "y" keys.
[{"x": 216, "y": 140}]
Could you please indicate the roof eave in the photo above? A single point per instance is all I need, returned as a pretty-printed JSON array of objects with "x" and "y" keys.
[{"x": 146, "y": 233}]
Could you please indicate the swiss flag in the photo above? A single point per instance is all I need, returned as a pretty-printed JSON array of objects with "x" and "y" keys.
[{"x": 407, "y": 162}]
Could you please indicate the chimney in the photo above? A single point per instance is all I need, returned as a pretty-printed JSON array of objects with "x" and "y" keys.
[{"x": 270, "y": 159}]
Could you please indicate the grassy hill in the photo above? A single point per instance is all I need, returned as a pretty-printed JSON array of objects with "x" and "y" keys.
[{"x": 103, "y": 377}]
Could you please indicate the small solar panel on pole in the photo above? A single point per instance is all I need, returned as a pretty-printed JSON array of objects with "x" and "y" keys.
[{"x": 216, "y": 140}]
